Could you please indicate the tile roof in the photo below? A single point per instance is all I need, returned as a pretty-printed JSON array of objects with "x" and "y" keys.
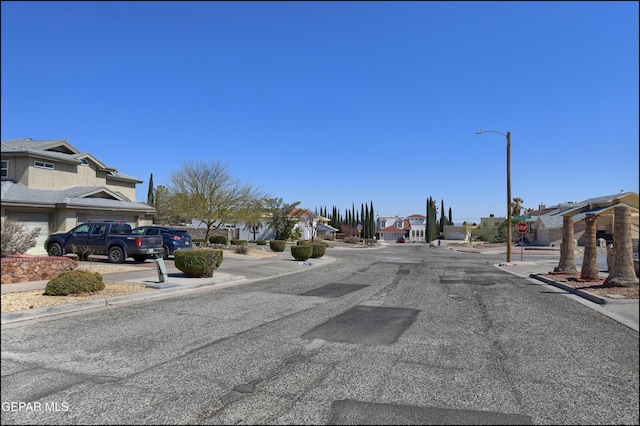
[
  {"x": 392, "y": 229},
  {"x": 17, "y": 193},
  {"x": 69, "y": 154}
]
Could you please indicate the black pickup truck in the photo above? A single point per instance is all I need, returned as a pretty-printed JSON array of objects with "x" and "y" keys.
[{"x": 105, "y": 237}]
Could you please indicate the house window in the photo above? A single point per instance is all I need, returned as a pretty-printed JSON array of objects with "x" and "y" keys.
[
  {"x": 84, "y": 161},
  {"x": 4, "y": 169},
  {"x": 43, "y": 164}
]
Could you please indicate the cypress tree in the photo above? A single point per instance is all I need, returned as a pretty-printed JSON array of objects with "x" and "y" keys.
[
  {"x": 367, "y": 230},
  {"x": 372, "y": 224},
  {"x": 151, "y": 198},
  {"x": 427, "y": 234},
  {"x": 450, "y": 217}
]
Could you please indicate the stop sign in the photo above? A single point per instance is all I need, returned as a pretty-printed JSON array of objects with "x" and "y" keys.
[{"x": 522, "y": 228}]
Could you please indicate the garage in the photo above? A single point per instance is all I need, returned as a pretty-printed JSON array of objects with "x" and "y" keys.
[
  {"x": 131, "y": 220},
  {"x": 31, "y": 220}
]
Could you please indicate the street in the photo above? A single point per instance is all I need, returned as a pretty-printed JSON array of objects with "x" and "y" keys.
[{"x": 405, "y": 334}]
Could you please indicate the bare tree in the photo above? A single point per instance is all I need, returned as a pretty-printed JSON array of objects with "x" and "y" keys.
[
  {"x": 207, "y": 192},
  {"x": 15, "y": 239}
]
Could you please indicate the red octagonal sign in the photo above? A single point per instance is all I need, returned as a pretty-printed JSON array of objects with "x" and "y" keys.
[{"x": 522, "y": 228}]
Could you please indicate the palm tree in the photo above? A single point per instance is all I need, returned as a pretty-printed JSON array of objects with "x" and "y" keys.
[
  {"x": 622, "y": 273},
  {"x": 590, "y": 259},
  {"x": 567, "y": 248},
  {"x": 516, "y": 206}
]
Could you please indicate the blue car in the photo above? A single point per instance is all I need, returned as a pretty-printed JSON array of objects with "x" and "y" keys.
[{"x": 172, "y": 239}]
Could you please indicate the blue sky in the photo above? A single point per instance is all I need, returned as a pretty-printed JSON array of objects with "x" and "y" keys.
[{"x": 334, "y": 103}]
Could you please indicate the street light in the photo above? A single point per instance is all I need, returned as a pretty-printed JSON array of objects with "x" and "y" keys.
[{"x": 509, "y": 236}]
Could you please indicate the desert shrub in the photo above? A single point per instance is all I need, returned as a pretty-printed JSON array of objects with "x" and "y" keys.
[
  {"x": 278, "y": 245},
  {"x": 351, "y": 239},
  {"x": 302, "y": 252},
  {"x": 318, "y": 250},
  {"x": 261, "y": 242},
  {"x": 302, "y": 243},
  {"x": 242, "y": 249},
  {"x": 218, "y": 239},
  {"x": 198, "y": 263},
  {"x": 74, "y": 282},
  {"x": 239, "y": 242},
  {"x": 15, "y": 239}
]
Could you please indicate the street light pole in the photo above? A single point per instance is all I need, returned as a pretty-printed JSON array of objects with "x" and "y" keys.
[{"x": 509, "y": 230}]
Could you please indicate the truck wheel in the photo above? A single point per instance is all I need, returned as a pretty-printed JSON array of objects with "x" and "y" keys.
[
  {"x": 116, "y": 255},
  {"x": 55, "y": 249},
  {"x": 165, "y": 253}
]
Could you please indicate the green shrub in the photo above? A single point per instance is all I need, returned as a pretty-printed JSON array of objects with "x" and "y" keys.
[
  {"x": 302, "y": 252},
  {"x": 261, "y": 242},
  {"x": 218, "y": 239},
  {"x": 239, "y": 242},
  {"x": 319, "y": 250},
  {"x": 74, "y": 282},
  {"x": 278, "y": 245},
  {"x": 302, "y": 243},
  {"x": 198, "y": 263}
]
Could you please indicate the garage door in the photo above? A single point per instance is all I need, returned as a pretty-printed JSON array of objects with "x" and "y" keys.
[
  {"x": 30, "y": 221},
  {"x": 131, "y": 220}
]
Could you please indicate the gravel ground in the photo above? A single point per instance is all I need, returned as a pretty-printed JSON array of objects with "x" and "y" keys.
[
  {"x": 12, "y": 302},
  {"x": 595, "y": 287}
]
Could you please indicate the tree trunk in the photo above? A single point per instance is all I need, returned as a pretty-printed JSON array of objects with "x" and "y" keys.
[
  {"x": 590, "y": 259},
  {"x": 567, "y": 248},
  {"x": 622, "y": 273}
]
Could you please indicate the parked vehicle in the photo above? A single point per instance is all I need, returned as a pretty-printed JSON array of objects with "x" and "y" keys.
[
  {"x": 172, "y": 239},
  {"x": 400, "y": 240},
  {"x": 112, "y": 238}
]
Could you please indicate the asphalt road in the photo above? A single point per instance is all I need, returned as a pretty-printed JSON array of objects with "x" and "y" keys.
[{"x": 400, "y": 335}]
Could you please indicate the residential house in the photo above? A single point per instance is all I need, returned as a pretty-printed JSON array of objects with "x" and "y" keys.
[
  {"x": 51, "y": 185},
  {"x": 417, "y": 225},
  {"x": 545, "y": 223},
  {"x": 313, "y": 225},
  {"x": 390, "y": 228}
]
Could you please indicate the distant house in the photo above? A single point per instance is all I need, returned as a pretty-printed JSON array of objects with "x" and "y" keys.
[
  {"x": 546, "y": 228},
  {"x": 417, "y": 224},
  {"x": 545, "y": 223},
  {"x": 49, "y": 184}
]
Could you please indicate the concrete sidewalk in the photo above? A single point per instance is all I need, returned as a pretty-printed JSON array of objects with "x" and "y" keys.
[{"x": 175, "y": 283}]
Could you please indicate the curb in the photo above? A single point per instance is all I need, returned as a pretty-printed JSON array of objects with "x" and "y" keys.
[
  {"x": 12, "y": 317},
  {"x": 582, "y": 293},
  {"x": 48, "y": 311}
]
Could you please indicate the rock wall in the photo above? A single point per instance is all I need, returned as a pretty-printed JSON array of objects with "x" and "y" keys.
[{"x": 23, "y": 269}]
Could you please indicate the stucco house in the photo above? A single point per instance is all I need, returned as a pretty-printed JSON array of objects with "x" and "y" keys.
[
  {"x": 50, "y": 184},
  {"x": 545, "y": 225}
]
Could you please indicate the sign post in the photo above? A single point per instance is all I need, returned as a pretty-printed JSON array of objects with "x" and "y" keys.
[{"x": 522, "y": 228}]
